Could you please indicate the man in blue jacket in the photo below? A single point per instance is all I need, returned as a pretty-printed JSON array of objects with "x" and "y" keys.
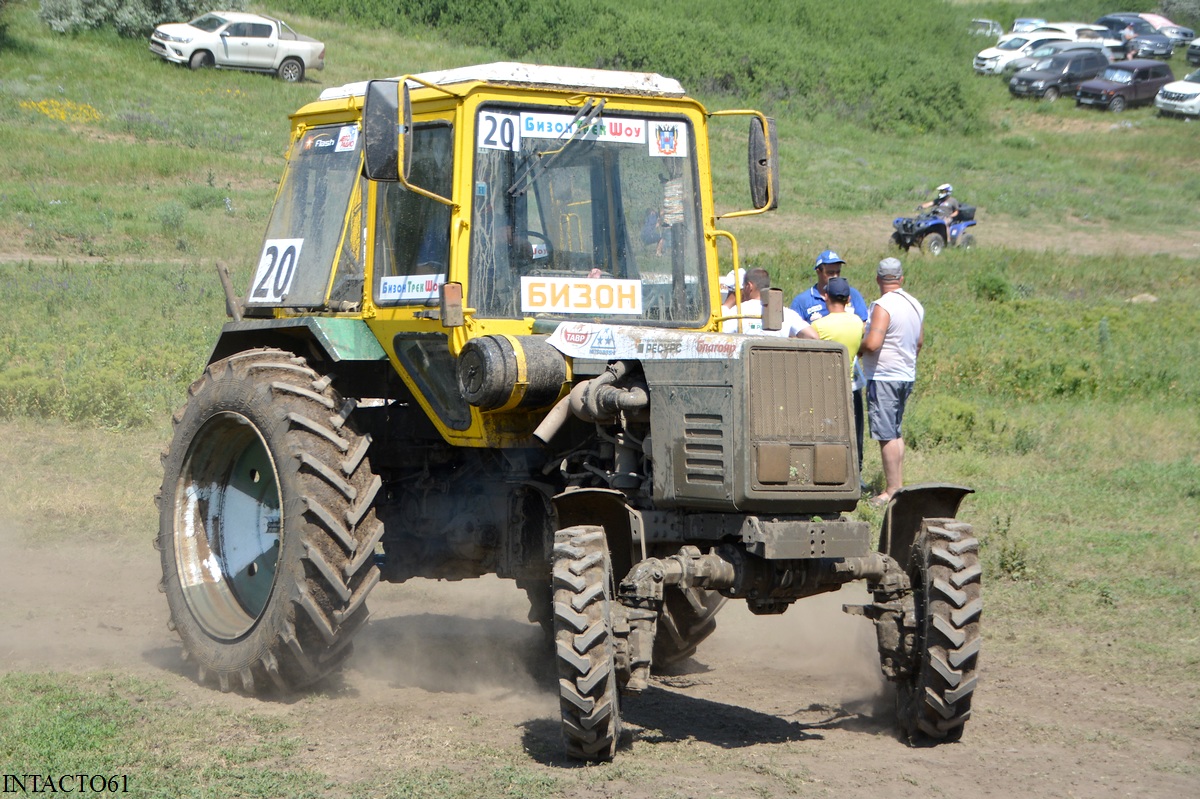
[{"x": 813, "y": 303}]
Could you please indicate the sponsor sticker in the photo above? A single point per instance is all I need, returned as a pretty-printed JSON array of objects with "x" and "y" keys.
[
  {"x": 587, "y": 340},
  {"x": 347, "y": 139},
  {"x": 561, "y": 126},
  {"x": 408, "y": 288},
  {"x": 669, "y": 140},
  {"x": 322, "y": 142},
  {"x": 580, "y": 295}
]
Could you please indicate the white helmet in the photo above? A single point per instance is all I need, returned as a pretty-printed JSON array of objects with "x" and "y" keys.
[{"x": 945, "y": 190}]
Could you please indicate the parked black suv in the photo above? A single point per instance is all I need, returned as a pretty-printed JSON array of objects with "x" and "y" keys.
[
  {"x": 1193, "y": 53},
  {"x": 1125, "y": 83},
  {"x": 1061, "y": 74}
]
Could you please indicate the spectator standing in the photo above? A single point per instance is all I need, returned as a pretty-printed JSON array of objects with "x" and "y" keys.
[
  {"x": 753, "y": 290},
  {"x": 842, "y": 325},
  {"x": 893, "y": 339},
  {"x": 812, "y": 305}
]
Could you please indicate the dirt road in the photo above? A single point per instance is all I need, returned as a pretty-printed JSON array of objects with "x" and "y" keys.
[{"x": 770, "y": 707}]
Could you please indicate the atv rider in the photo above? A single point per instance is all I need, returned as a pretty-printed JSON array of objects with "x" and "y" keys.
[{"x": 944, "y": 206}]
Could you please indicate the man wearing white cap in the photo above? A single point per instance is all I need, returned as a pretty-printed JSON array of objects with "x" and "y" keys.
[
  {"x": 754, "y": 289},
  {"x": 728, "y": 283},
  {"x": 889, "y": 349}
]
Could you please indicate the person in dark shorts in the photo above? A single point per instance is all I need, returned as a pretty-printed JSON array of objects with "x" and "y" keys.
[{"x": 889, "y": 350}]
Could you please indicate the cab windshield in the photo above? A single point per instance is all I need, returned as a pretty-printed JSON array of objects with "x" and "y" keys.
[
  {"x": 1117, "y": 75},
  {"x": 580, "y": 214},
  {"x": 315, "y": 225}
]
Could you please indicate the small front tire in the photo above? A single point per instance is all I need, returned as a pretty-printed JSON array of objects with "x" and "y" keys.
[
  {"x": 934, "y": 702},
  {"x": 1051, "y": 95},
  {"x": 585, "y": 643},
  {"x": 1117, "y": 105}
]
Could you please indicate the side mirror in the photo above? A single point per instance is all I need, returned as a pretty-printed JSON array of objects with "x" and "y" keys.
[
  {"x": 764, "y": 164},
  {"x": 772, "y": 314},
  {"x": 380, "y": 135},
  {"x": 451, "y": 297}
]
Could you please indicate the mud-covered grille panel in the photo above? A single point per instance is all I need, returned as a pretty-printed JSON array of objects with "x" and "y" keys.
[
  {"x": 798, "y": 396},
  {"x": 704, "y": 448}
]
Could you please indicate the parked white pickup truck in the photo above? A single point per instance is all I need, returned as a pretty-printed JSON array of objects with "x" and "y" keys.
[{"x": 236, "y": 40}]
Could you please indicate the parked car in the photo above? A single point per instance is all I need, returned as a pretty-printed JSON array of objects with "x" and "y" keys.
[
  {"x": 1053, "y": 77},
  {"x": 1022, "y": 24},
  {"x": 1150, "y": 45},
  {"x": 1053, "y": 49},
  {"x": 1072, "y": 30},
  {"x": 1178, "y": 34},
  {"x": 1011, "y": 46},
  {"x": 1181, "y": 97},
  {"x": 1193, "y": 54},
  {"x": 1124, "y": 83},
  {"x": 986, "y": 27},
  {"x": 236, "y": 40},
  {"x": 1131, "y": 35}
]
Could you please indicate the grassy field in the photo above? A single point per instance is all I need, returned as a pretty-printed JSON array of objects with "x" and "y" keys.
[{"x": 1070, "y": 408}]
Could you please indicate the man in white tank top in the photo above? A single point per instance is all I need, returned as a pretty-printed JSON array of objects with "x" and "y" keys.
[{"x": 890, "y": 345}]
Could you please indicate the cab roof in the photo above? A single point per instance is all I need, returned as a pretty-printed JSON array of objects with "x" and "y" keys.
[{"x": 512, "y": 73}]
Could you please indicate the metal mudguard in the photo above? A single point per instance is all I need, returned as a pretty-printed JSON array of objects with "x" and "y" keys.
[{"x": 908, "y": 506}]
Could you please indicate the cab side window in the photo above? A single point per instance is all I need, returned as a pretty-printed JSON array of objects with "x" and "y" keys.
[
  {"x": 258, "y": 30},
  {"x": 412, "y": 232}
]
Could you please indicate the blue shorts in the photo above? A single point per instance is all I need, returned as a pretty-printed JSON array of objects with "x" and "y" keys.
[{"x": 885, "y": 407}]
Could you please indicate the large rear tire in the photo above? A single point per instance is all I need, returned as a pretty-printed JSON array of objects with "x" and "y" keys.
[
  {"x": 967, "y": 241},
  {"x": 934, "y": 702},
  {"x": 585, "y": 644},
  {"x": 266, "y": 526}
]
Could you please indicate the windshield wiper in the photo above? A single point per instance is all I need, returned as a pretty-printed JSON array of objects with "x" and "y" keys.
[{"x": 582, "y": 121}]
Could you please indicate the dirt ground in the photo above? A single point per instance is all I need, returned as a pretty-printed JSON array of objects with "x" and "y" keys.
[{"x": 770, "y": 707}]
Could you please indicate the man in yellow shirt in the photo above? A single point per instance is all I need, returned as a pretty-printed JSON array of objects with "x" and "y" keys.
[{"x": 844, "y": 326}]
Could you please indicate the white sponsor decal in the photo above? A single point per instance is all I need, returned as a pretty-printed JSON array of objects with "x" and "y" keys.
[
  {"x": 561, "y": 126},
  {"x": 584, "y": 340},
  {"x": 668, "y": 140},
  {"x": 410, "y": 287},
  {"x": 276, "y": 271},
  {"x": 347, "y": 139},
  {"x": 580, "y": 295}
]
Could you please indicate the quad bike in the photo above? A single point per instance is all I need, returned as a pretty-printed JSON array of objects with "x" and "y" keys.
[
  {"x": 931, "y": 233},
  {"x": 457, "y": 357}
]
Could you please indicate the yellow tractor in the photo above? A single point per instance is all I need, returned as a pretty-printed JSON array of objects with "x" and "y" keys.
[{"x": 483, "y": 337}]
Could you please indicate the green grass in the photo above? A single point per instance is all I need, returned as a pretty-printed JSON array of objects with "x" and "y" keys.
[{"x": 1069, "y": 409}]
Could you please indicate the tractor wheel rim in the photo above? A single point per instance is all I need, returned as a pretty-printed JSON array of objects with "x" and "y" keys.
[{"x": 228, "y": 526}]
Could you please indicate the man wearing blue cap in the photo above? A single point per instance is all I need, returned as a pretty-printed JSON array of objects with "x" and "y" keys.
[{"x": 813, "y": 304}]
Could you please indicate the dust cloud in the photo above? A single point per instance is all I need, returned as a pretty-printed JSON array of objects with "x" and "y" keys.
[{"x": 80, "y": 606}]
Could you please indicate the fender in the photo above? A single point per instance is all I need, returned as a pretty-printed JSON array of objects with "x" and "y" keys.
[
  {"x": 327, "y": 337},
  {"x": 607, "y": 507},
  {"x": 908, "y": 506}
]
